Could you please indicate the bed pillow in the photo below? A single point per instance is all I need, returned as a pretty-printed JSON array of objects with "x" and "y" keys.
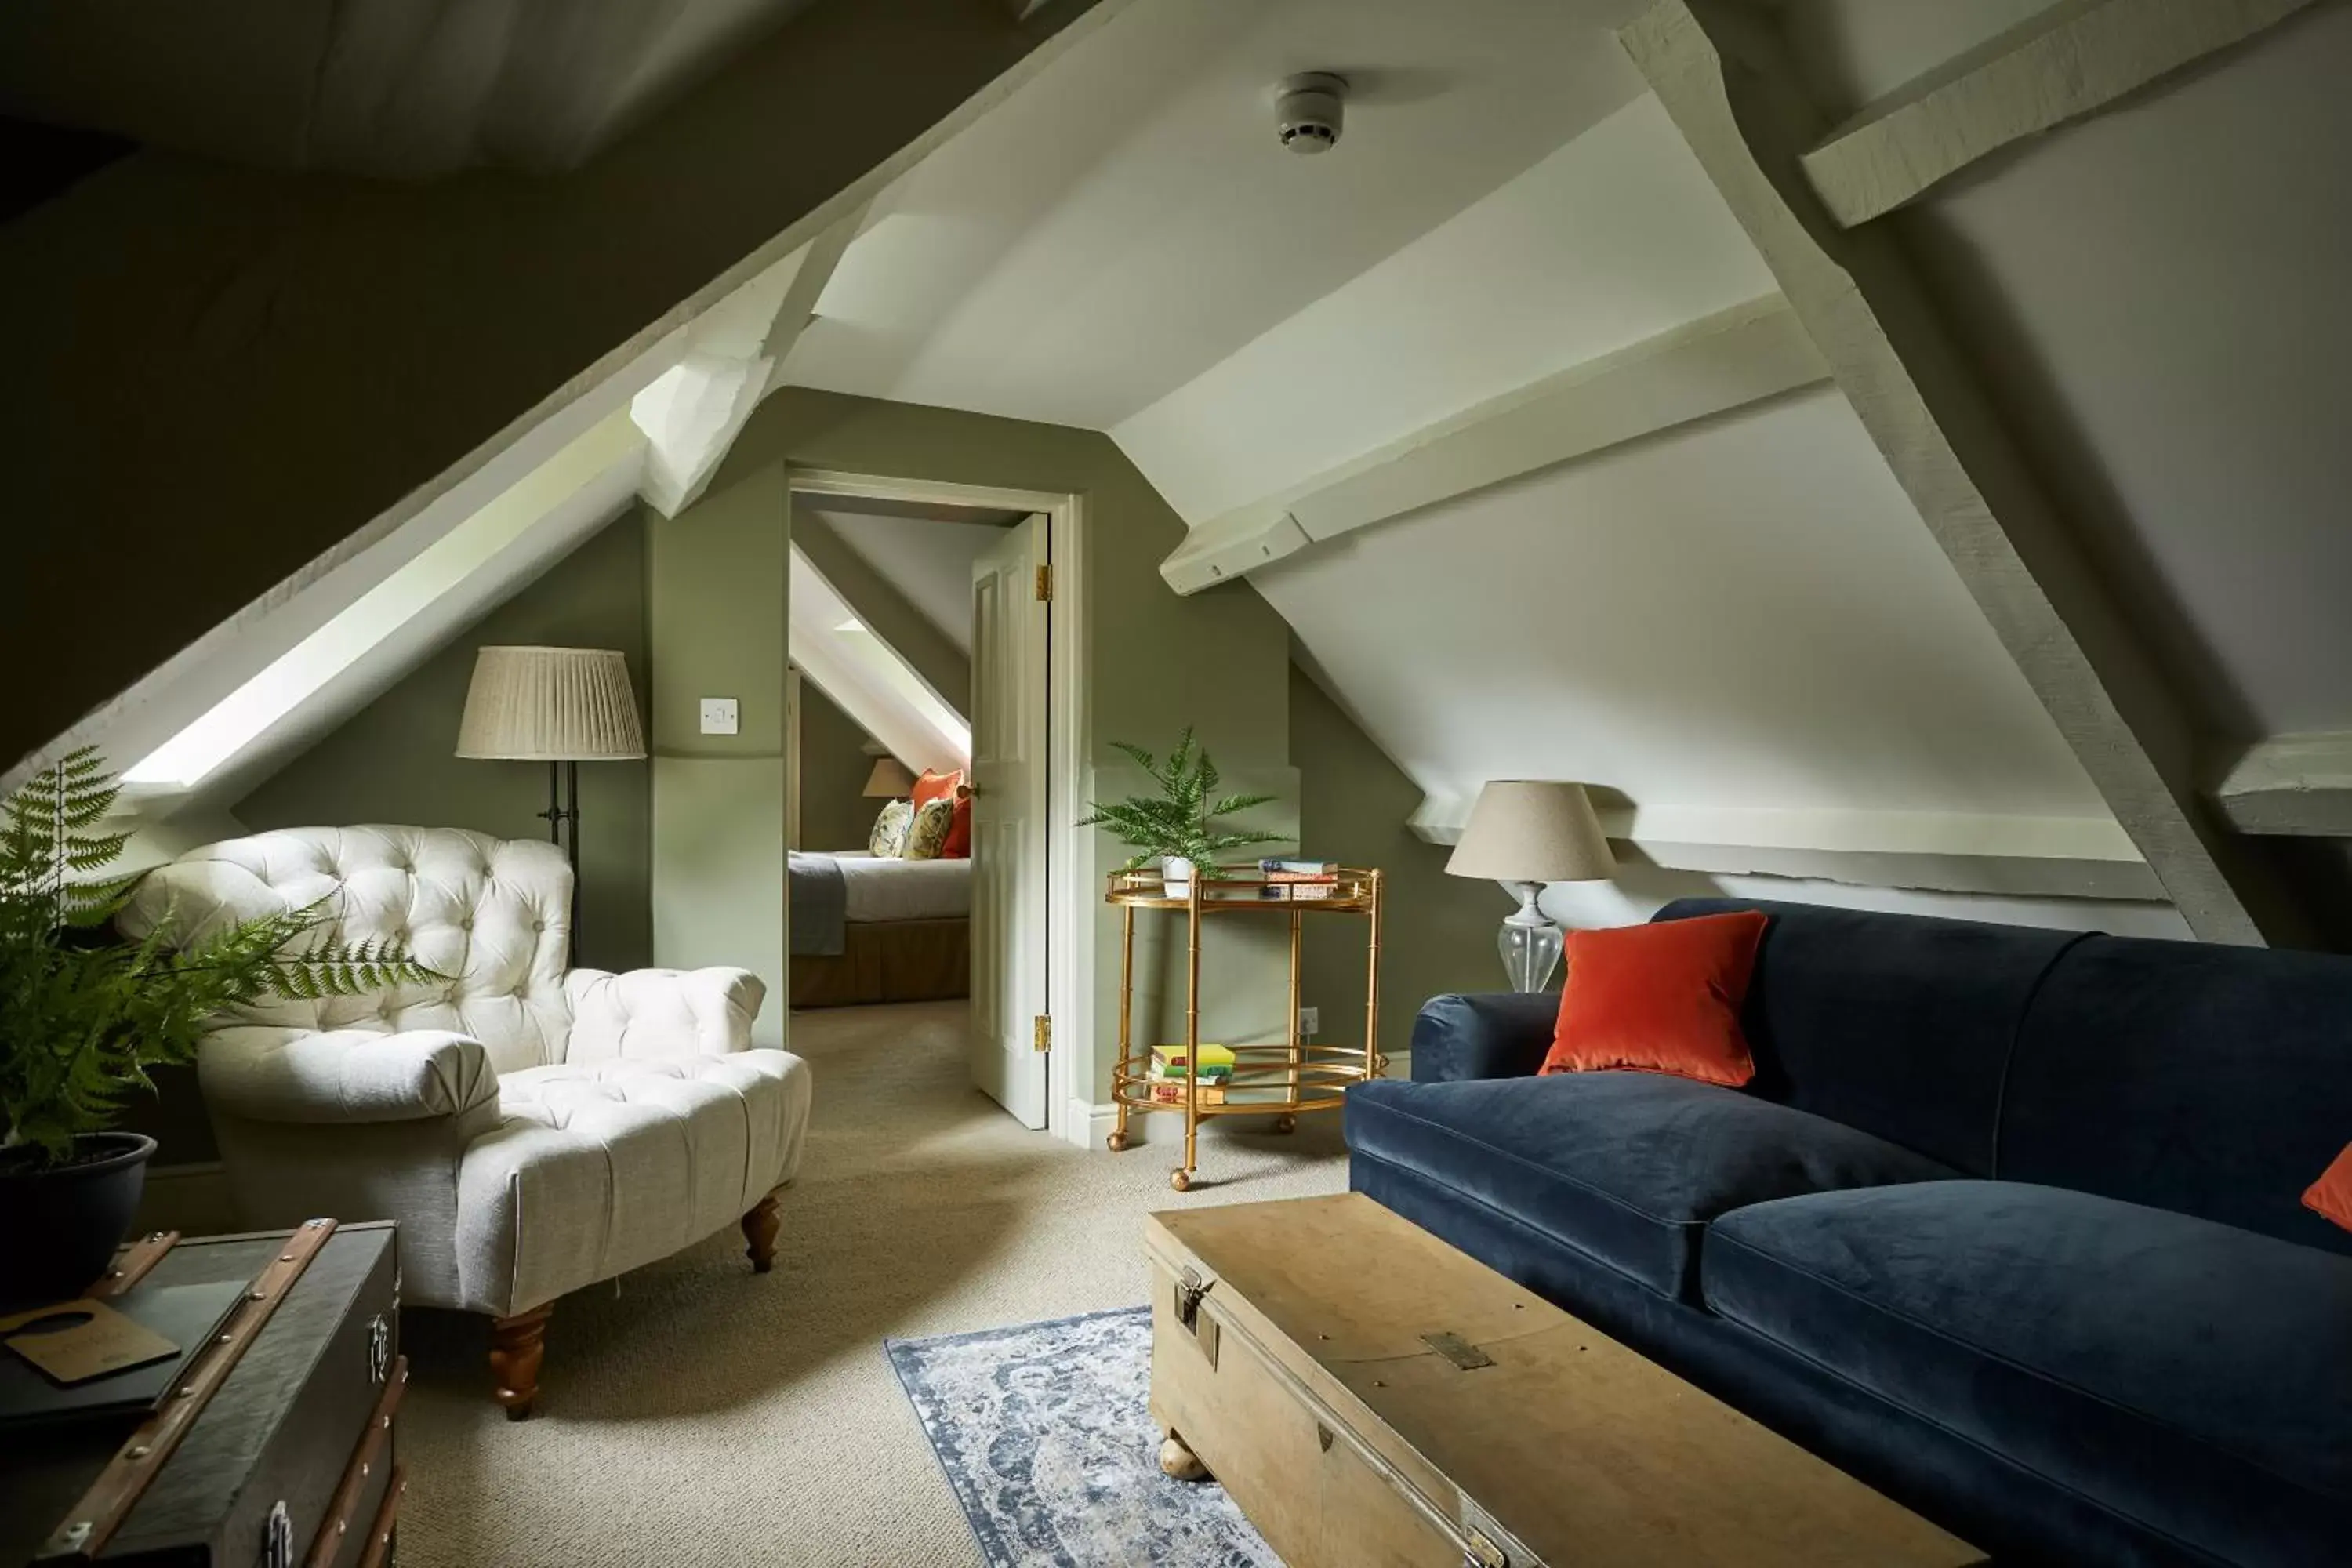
[
  {"x": 888, "y": 840},
  {"x": 959, "y": 843},
  {"x": 933, "y": 786},
  {"x": 926, "y": 835}
]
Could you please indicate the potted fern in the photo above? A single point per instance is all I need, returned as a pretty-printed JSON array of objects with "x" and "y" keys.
[
  {"x": 1178, "y": 826},
  {"x": 84, "y": 1014}
]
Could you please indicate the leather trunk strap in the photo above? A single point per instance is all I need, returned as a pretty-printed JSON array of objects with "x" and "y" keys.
[
  {"x": 327, "y": 1546},
  {"x": 132, "y": 1263},
  {"x": 111, "y": 1498}
]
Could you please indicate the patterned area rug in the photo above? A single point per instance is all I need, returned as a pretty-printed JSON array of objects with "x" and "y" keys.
[{"x": 1045, "y": 1432}]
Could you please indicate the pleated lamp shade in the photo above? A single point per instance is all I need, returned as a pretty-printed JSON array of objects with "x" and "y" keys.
[
  {"x": 890, "y": 779},
  {"x": 551, "y": 705},
  {"x": 1533, "y": 830}
]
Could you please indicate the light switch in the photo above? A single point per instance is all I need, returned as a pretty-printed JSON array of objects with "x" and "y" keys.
[{"x": 718, "y": 715}]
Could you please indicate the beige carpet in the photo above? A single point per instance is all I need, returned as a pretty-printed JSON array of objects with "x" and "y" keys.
[{"x": 704, "y": 1414}]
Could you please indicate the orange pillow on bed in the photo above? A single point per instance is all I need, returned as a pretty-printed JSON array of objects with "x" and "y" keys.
[
  {"x": 2330, "y": 1197},
  {"x": 939, "y": 786},
  {"x": 1662, "y": 997}
]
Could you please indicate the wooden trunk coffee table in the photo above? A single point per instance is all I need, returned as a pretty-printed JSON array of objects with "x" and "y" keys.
[{"x": 1370, "y": 1396}]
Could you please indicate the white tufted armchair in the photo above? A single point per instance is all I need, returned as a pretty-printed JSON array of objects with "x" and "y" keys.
[{"x": 533, "y": 1129}]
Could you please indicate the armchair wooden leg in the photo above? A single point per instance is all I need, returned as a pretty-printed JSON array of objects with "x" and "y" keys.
[
  {"x": 759, "y": 1227},
  {"x": 517, "y": 1344}
]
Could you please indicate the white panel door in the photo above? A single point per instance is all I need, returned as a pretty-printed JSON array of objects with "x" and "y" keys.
[{"x": 1008, "y": 821}]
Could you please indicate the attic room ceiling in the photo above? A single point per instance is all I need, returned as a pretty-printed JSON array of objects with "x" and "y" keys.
[
  {"x": 1123, "y": 247},
  {"x": 1130, "y": 219},
  {"x": 406, "y": 88}
]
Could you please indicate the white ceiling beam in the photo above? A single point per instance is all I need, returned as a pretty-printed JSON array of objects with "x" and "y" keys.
[
  {"x": 2071, "y": 60},
  {"x": 1721, "y": 74},
  {"x": 2299, "y": 785},
  {"x": 692, "y": 415},
  {"x": 1725, "y": 361},
  {"x": 2009, "y": 857}
]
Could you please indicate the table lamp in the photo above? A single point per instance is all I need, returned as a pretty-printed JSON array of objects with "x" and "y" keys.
[
  {"x": 890, "y": 779},
  {"x": 561, "y": 706},
  {"x": 1524, "y": 833}
]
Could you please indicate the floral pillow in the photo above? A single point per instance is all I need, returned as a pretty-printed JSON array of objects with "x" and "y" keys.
[
  {"x": 927, "y": 836},
  {"x": 888, "y": 840}
]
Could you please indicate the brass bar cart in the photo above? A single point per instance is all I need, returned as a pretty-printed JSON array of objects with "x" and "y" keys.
[{"x": 1284, "y": 1080}]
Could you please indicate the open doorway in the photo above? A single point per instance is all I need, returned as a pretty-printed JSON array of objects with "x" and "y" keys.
[{"x": 931, "y": 691}]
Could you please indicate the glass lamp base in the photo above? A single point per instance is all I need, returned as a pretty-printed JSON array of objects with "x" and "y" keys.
[{"x": 1530, "y": 952}]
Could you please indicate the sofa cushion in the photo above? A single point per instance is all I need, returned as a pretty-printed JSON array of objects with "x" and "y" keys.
[
  {"x": 1624, "y": 1168},
  {"x": 2191, "y": 1376},
  {"x": 1899, "y": 1025},
  {"x": 1659, "y": 998},
  {"x": 2187, "y": 1076},
  {"x": 600, "y": 1167}
]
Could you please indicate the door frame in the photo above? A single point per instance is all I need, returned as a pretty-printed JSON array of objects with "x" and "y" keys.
[{"x": 1069, "y": 889}]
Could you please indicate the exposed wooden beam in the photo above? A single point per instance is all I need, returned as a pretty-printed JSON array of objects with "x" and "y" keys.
[
  {"x": 725, "y": 372},
  {"x": 2008, "y": 857},
  {"x": 2073, "y": 59},
  {"x": 798, "y": 306},
  {"x": 1720, "y": 74},
  {"x": 2299, "y": 785},
  {"x": 1729, "y": 360}
]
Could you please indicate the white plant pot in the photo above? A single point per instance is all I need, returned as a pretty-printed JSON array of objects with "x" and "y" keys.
[{"x": 1176, "y": 875}]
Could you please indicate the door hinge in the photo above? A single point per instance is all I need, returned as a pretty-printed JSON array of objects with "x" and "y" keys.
[
  {"x": 1041, "y": 1033},
  {"x": 1044, "y": 582}
]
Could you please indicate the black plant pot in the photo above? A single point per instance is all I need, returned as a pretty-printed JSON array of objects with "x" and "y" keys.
[{"x": 59, "y": 1225}]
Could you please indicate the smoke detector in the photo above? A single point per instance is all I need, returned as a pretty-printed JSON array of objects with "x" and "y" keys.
[{"x": 1308, "y": 109}]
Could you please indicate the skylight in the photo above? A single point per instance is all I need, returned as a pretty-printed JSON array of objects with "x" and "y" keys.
[{"x": 242, "y": 717}]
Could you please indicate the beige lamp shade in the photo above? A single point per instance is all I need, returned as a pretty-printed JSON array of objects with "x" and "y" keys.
[
  {"x": 890, "y": 779},
  {"x": 1533, "y": 830},
  {"x": 551, "y": 705}
]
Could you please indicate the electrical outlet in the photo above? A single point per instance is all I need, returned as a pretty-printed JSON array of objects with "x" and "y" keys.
[
  {"x": 1310, "y": 1022},
  {"x": 720, "y": 716}
]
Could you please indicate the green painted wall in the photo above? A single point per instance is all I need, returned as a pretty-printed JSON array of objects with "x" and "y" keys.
[
  {"x": 717, "y": 580},
  {"x": 835, "y": 812},
  {"x": 393, "y": 762},
  {"x": 1154, "y": 662},
  {"x": 1438, "y": 930},
  {"x": 228, "y": 370}
]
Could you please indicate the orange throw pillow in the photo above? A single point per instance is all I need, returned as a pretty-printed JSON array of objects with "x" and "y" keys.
[
  {"x": 2330, "y": 1197},
  {"x": 934, "y": 786},
  {"x": 1662, "y": 997},
  {"x": 959, "y": 843}
]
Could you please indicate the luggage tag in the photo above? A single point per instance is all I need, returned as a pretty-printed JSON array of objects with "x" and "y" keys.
[{"x": 73, "y": 1342}]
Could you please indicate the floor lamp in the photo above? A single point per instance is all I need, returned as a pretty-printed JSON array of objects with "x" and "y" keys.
[{"x": 561, "y": 706}]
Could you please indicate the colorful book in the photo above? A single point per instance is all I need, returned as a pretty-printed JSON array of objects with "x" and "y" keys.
[
  {"x": 1174, "y": 1093},
  {"x": 1178, "y": 1074},
  {"x": 1213, "y": 1057},
  {"x": 1299, "y": 868}
]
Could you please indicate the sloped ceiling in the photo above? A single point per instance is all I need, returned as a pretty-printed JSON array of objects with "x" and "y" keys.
[
  {"x": 1739, "y": 626},
  {"x": 2162, "y": 290},
  {"x": 1736, "y": 627},
  {"x": 405, "y": 88},
  {"x": 1097, "y": 242},
  {"x": 928, "y": 560}
]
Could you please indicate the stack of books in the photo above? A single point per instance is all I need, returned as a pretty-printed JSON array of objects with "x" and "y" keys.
[
  {"x": 1300, "y": 878},
  {"x": 1171, "y": 1066}
]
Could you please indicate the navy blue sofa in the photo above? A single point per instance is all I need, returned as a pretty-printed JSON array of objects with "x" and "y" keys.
[{"x": 2007, "y": 1225}]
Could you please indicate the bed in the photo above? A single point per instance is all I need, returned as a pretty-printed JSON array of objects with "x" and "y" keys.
[{"x": 869, "y": 929}]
